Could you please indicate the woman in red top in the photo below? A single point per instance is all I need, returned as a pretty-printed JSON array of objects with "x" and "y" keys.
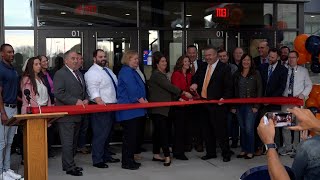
[{"x": 181, "y": 77}]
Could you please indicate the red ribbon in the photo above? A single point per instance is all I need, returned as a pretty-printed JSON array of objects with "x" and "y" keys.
[{"x": 74, "y": 110}]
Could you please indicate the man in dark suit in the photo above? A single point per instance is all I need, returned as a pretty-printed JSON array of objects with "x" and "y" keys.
[
  {"x": 214, "y": 82},
  {"x": 263, "y": 58},
  {"x": 195, "y": 127},
  {"x": 70, "y": 89}
]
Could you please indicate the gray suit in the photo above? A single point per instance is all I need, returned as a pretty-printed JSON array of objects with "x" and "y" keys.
[{"x": 67, "y": 91}]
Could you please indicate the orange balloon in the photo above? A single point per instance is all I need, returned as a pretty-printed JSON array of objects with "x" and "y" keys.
[
  {"x": 309, "y": 57},
  {"x": 303, "y": 59},
  {"x": 315, "y": 91},
  {"x": 299, "y": 43},
  {"x": 312, "y": 102}
]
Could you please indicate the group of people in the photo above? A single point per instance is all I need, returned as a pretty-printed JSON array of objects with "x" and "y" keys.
[{"x": 273, "y": 73}]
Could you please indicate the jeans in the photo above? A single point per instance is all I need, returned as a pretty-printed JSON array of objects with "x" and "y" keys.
[
  {"x": 6, "y": 138},
  {"x": 306, "y": 164},
  {"x": 246, "y": 120}
]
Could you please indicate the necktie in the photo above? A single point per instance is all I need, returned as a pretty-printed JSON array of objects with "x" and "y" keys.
[
  {"x": 269, "y": 73},
  {"x": 206, "y": 82},
  {"x": 114, "y": 83},
  {"x": 78, "y": 77},
  {"x": 193, "y": 69},
  {"x": 291, "y": 83}
]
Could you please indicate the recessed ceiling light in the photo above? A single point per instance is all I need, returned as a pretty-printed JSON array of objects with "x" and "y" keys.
[
  {"x": 312, "y": 16},
  {"x": 63, "y": 13},
  {"x": 127, "y": 14},
  {"x": 189, "y": 15}
]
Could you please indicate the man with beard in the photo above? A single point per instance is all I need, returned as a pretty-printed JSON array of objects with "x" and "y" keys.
[
  {"x": 102, "y": 89},
  {"x": 284, "y": 55}
]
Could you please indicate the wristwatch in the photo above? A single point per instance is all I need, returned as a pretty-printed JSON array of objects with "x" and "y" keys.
[{"x": 269, "y": 146}]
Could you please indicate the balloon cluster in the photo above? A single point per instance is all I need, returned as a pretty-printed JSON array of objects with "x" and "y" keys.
[
  {"x": 308, "y": 48},
  {"x": 313, "y": 101}
]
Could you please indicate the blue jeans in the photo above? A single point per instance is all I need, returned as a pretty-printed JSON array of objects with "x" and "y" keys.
[
  {"x": 246, "y": 120},
  {"x": 101, "y": 127},
  {"x": 6, "y": 138}
]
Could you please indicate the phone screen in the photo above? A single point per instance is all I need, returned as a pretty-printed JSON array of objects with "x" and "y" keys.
[{"x": 281, "y": 119}]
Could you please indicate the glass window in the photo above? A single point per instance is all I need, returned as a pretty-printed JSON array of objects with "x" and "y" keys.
[
  {"x": 87, "y": 13},
  {"x": 18, "y": 12},
  {"x": 22, "y": 42},
  {"x": 286, "y": 39},
  {"x": 287, "y": 16},
  {"x": 224, "y": 15},
  {"x": 312, "y": 24},
  {"x": 161, "y": 14}
]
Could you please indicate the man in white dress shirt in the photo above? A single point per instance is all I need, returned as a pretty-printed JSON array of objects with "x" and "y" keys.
[
  {"x": 102, "y": 89},
  {"x": 298, "y": 85}
]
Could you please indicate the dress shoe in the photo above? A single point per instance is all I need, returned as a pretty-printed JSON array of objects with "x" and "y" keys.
[
  {"x": 136, "y": 163},
  {"x": 226, "y": 159},
  {"x": 199, "y": 148},
  {"x": 76, "y": 168},
  {"x": 101, "y": 165},
  {"x": 180, "y": 156},
  {"x": 241, "y": 155},
  {"x": 130, "y": 166},
  {"x": 248, "y": 156},
  {"x": 156, "y": 159},
  {"x": 74, "y": 173},
  {"x": 112, "y": 160},
  {"x": 207, "y": 157},
  {"x": 167, "y": 163}
]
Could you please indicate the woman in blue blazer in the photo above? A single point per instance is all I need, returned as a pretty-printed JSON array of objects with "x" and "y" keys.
[{"x": 131, "y": 89}]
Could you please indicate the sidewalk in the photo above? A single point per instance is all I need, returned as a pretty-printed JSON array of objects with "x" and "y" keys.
[{"x": 193, "y": 169}]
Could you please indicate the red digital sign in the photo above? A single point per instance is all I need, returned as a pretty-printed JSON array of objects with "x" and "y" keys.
[
  {"x": 222, "y": 13},
  {"x": 86, "y": 9}
]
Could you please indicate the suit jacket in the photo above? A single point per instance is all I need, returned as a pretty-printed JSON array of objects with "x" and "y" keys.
[
  {"x": 161, "y": 90},
  {"x": 277, "y": 82},
  {"x": 257, "y": 63},
  {"x": 130, "y": 89},
  {"x": 67, "y": 91},
  {"x": 220, "y": 84}
]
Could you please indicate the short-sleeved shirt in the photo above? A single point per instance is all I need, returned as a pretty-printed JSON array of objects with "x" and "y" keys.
[{"x": 9, "y": 83}]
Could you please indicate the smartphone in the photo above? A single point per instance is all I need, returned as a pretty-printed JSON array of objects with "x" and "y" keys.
[{"x": 281, "y": 119}]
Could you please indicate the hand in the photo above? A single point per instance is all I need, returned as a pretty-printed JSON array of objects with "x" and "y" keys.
[
  {"x": 142, "y": 100},
  {"x": 193, "y": 87},
  {"x": 100, "y": 102},
  {"x": 304, "y": 135},
  {"x": 254, "y": 110},
  {"x": 221, "y": 99},
  {"x": 233, "y": 111},
  {"x": 181, "y": 99},
  {"x": 80, "y": 103},
  {"x": 85, "y": 102},
  {"x": 307, "y": 121},
  {"x": 300, "y": 96},
  {"x": 188, "y": 95},
  {"x": 4, "y": 118},
  {"x": 266, "y": 131}
]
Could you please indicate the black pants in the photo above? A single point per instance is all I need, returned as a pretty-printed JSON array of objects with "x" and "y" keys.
[
  {"x": 129, "y": 144},
  {"x": 161, "y": 128},
  {"x": 181, "y": 124},
  {"x": 215, "y": 127},
  {"x": 196, "y": 131},
  {"x": 140, "y": 133}
]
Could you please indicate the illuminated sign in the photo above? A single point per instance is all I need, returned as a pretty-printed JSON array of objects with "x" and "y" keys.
[
  {"x": 86, "y": 9},
  {"x": 222, "y": 13}
]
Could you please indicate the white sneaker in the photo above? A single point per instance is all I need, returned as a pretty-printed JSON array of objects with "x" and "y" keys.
[
  {"x": 5, "y": 176},
  {"x": 13, "y": 174}
]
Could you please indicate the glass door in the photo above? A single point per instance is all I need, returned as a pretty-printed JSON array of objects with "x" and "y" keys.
[
  {"x": 54, "y": 43},
  {"x": 114, "y": 43}
]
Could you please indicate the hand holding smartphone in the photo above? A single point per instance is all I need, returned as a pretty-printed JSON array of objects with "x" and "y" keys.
[{"x": 280, "y": 119}]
